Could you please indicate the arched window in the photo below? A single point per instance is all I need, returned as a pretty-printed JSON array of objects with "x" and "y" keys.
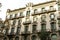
[
  {"x": 17, "y": 38},
  {"x": 34, "y": 37},
  {"x": 54, "y": 37}
]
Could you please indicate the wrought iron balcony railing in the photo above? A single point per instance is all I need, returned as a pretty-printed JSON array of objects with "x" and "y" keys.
[
  {"x": 45, "y": 11},
  {"x": 27, "y": 22},
  {"x": 16, "y": 17},
  {"x": 24, "y": 33}
]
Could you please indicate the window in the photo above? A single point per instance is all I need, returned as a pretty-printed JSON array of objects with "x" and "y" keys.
[
  {"x": 54, "y": 37},
  {"x": 14, "y": 22},
  {"x": 43, "y": 17},
  {"x": 10, "y": 16},
  {"x": 43, "y": 9},
  {"x": 53, "y": 26},
  {"x": 21, "y": 13},
  {"x": 25, "y": 37},
  {"x": 12, "y": 31},
  {"x": 34, "y": 37},
  {"x": 58, "y": 21},
  {"x": 51, "y": 7},
  {"x": 18, "y": 30},
  {"x": 26, "y": 29},
  {"x": 34, "y": 28},
  {"x": 1, "y": 25},
  {"x": 7, "y": 31},
  {"x": 28, "y": 13},
  {"x": 15, "y": 15},
  {"x": 35, "y": 11},
  {"x": 43, "y": 27},
  {"x": 59, "y": 7},
  {"x": 19, "y": 22},
  {"x": 17, "y": 38},
  {"x": 52, "y": 16}
]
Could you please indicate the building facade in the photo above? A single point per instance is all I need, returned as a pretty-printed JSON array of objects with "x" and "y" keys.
[{"x": 34, "y": 22}]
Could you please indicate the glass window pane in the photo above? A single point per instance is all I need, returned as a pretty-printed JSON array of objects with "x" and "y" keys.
[
  {"x": 18, "y": 30},
  {"x": 26, "y": 29},
  {"x": 14, "y": 22},
  {"x": 21, "y": 13},
  {"x": 10, "y": 16},
  {"x": 43, "y": 27},
  {"x": 34, "y": 28},
  {"x": 33, "y": 37},
  {"x": 28, "y": 13},
  {"x": 59, "y": 7},
  {"x": 53, "y": 26},
  {"x": 12, "y": 30},
  {"x": 54, "y": 37},
  {"x": 35, "y": 11},
  {"x": 15, "y": 15}
]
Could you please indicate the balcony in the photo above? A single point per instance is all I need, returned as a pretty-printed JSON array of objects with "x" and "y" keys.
[
  {"x": 22, "y": 16},
  {"x": 52, "y": 10},
  {"x": 43, "y": 22},
  {"x": 27, "y": 22},
  {"x": 35, "y": 31},
  {"x": 16, "y": 17},
  {"x": 25, "y": 33},
  {"x": 43, "y": 12},
  {"x": 17, "y": 33},
  {"x": 34, "y": 22},
  {"x": 11, "y": 34},
  {"x": 52, "y": 21}
]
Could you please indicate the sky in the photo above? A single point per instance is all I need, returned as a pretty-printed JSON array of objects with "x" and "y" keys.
[{"x": 15, "y": 4}]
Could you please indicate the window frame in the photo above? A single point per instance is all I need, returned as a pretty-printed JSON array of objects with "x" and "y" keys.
[
  {"x": 28, "y": 13},
  {"x": 35, "y": 11}
]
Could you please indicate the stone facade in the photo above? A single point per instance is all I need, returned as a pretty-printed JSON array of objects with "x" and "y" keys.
[{"x": 33, "y": 22}]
